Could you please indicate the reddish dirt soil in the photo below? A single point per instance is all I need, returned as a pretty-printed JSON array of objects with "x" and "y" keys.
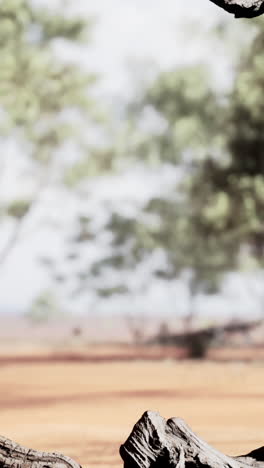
[
  {"x": 86, "y": 409},
  {"x": 120, "y": 353}
]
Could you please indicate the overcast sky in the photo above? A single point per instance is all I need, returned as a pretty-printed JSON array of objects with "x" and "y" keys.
[{"x": 162, "y": 31}]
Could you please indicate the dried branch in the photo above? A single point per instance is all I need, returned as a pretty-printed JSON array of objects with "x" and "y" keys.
[
  {"x": 13, "y": 455},
  {"x": 155, "y": 442},
  {"x": 242, "y": 8}
]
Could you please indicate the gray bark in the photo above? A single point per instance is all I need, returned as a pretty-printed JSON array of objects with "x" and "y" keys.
[
  {"x": 13, "y": 455},
  {"x": 155, "y": 442},
  {"x": 242, "y": 8}
]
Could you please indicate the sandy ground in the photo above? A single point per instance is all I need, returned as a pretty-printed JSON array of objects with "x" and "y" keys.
[{"x": 86, "y": 410}]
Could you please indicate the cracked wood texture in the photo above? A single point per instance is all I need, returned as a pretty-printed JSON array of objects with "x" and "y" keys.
[
  {"x": 155, "y": 442},
  {"x": 13, "y": 455},
  {"x": 242, "y": 8}
]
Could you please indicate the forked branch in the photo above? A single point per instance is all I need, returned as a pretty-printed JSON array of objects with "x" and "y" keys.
[{"x": 157, "y": 443}]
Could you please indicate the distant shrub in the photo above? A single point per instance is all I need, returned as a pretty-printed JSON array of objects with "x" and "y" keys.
[{"x": 198, "y": 344}]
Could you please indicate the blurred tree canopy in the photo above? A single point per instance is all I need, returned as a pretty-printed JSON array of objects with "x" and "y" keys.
[
  {"x": 45, "y": 104},
  {"x": 209, "y": 222},
  {"x": 43, "y": 309},
  {"x": 212, "y": 221}
]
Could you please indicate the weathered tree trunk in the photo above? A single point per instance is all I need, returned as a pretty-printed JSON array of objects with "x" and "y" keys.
[
  {"x": 13, "y": 455},
  {"x": 155, "y": 442},
  {"x": 242, "y": 8}
]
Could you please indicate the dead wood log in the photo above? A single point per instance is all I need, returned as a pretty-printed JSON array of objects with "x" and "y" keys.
[
  {"x": 157, "y": 443},
  {"x": 13, "y": 455},
  {"x": 242, "y": 8}
]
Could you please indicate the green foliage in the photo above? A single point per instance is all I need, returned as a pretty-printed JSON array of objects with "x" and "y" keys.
[
  {"x": 190, "y": 111},
  {"x": 92, "y": 164},
  {"x": 185, "y": 100},
  {"x": 213, "y": 221},
  {"x": 202, "y": 225},
  {"x": 45, "y": 103},
  {"x": 108, "y": 292},
  {"x": 18, "y": 208},
  {"x": 36, "y": 87},
  {"x": 240, "y": 176},
  {"x": 43, "y": 309}
]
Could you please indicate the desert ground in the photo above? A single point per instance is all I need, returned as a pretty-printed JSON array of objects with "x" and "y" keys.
[{"x": 87, "y": 409}]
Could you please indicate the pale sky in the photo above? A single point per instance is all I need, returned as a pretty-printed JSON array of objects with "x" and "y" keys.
[
  {"x": 127, "y": 31},
  {"x": 163, "y": 31}
]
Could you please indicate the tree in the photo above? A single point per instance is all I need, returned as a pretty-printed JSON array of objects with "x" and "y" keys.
[
  {"x": 43, "y": 309},
  {"x": 238, "y": 178},
  {"x": 45, "y": 104},
  {"x": 192, "y": 115},
  {"x": 212, "y": 222}
]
